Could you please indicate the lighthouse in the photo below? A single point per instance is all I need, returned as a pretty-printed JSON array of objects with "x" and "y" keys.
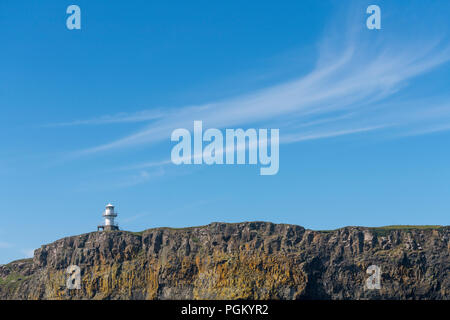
[{"x": 109, "y": 214}]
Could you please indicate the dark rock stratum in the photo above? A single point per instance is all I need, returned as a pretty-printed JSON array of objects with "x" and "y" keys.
[{"x": 249, "y": 260}]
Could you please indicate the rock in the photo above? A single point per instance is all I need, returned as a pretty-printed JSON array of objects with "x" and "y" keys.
[{"x": 249, "y": 260}]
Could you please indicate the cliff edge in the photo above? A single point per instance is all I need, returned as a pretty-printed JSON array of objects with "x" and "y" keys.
[{"x": 249, "y": 260}]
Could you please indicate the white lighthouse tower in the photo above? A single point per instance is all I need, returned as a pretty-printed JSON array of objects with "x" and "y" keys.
[{"x": 109, "y": 214}]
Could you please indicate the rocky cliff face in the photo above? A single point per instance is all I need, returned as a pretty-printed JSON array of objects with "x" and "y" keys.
[{"x": 251, "y": 260}]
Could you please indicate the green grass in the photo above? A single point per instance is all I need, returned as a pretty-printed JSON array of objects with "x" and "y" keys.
[
  {"x": 20, "y": 260},
  {"x": 382, "y": 231},
  {"x": 378, "y": 230},
  {"x": 402, "y": 227},
  {"x": 139, "y": 233},
  {"x": 12, "y": 279},
  {"x": 393, "y": 227},
  {"x": 183, "y": 229},
  {"x": 136, "y": 233}
]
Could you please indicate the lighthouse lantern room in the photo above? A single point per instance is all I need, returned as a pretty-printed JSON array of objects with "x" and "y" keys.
[{"x": 109, "y": 214}]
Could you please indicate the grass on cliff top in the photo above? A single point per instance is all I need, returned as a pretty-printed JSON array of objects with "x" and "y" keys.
[
  {"x": 9, "y": 264},
  {"x": 12, "y": 279},
  {"x": 403, "y": 227},
  {"x": 378, "y": 230},
  {"x": 382, "y": 231},
  {"x": 395, "y": 227},
  {"x": 139, "y": 233},
  {"x": 21, "y": 260},
  {"x": 136, "y": 233}
]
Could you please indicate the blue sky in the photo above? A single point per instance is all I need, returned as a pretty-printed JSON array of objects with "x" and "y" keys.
[{"x": 86, "y": 115}]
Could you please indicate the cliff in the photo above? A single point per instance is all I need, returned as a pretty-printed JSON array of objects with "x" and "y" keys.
[{"x": 250, "y": 260}]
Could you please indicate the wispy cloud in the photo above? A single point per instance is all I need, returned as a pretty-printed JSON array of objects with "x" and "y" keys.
[
  {"x": 313, "y": 136},
  {"x": 122, "y": 117},
  {"x": 146, "y": 165},
  {"x": 138, "y": 178},
  {"x": 346, "y": 92}
]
